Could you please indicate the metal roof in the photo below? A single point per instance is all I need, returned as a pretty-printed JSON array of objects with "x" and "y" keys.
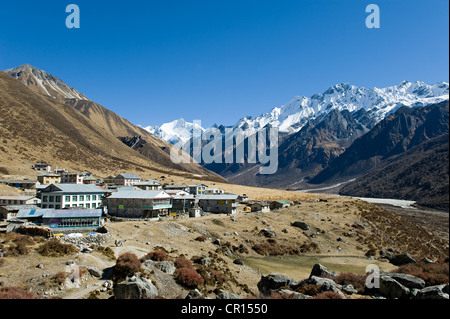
[
  {"x": 139, "y": 195},
  {"x": 58, "y": 213},
  {"x": 73, "y": 213},
  {"x": 17, "y": 197},
  {"x": 129, "y": 176},
  {"x": 176, "y": 186},
  {"x": 149, "y": 182},
  {"x": 128, "y": 188},
  {"x": 218, "y": 197},
  {"x": 75, "y": 188}
]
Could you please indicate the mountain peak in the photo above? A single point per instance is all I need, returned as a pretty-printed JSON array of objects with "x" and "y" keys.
[{"x": 43, "y": 82}]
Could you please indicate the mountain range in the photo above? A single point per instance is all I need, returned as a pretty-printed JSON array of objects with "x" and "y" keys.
[
  {"x": 292, "y": 116},
  {"x": 390, "y": 142},
  {"x": 349, "y": 137},
  {"x": 44, "y": 119}
]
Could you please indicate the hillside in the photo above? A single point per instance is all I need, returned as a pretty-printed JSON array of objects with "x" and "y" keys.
[
  {"x": 399, "y": 132},
  {"x": 36, "y": 127},
  {"x": 420, "y": 174},
  {"x": 304, "y": 154}
]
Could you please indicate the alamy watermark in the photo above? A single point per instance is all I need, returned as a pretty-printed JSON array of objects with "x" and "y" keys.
[
  {"x": 373, "y": 19},
  {"x": 215, "y": 146},
  {"x": 73, "y": 19},
  {"x": 373, "y": 276}
]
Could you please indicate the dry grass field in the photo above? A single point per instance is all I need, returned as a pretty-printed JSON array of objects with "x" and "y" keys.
[{"x": 342, "y": 231}]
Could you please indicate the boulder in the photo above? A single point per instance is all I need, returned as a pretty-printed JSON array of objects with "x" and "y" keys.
[
  {"x": 301, "y": 225},
  {"x": 94, "y": 271},
  {"x": 293, "y": 294},
  {"x": 314, "y": 280},
  {"x": 225, "y": 294},
  {"x": 391, "y": 288},
  {"x": 433, "y": 292},
  {"x": 135, "y": 288},
  {"x": 267, "y": 232},
  {"x": 195, "y": 294},
  {"x": 271, "y": 282},
  {"x": 327, "y": 286},
  {"x": 319, "y": 270},
  {"x": 426, "y": 260},
  {"x": 408, "y": 281},
  {"x": 166, "y": 266},
  {"x": 402, "y": 259},
  {"x": 120, "y": 242},
  {"x": 349, "y": 289}
]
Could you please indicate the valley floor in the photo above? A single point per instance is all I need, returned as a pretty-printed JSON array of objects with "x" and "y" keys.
[{"x": 341, "y": 231}]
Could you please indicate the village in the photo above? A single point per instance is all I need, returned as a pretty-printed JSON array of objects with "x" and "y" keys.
[
  {"x": 240, "y": 236},
  {"x": 65, "y": 202}
]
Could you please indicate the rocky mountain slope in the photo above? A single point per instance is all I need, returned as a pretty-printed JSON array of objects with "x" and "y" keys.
[
  {"x": 396, "y": 134},
  {"x": 76, "y": 134},
  {"x": 42, "y": 82},
  {"x": 304, "y": 154},
  {"x": 420, "y": 174}
]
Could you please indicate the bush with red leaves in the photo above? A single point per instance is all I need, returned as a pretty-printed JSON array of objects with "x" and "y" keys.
[
  {"x": 328, "y": 295},
  {"x": 126, "y": 266},
  {"x": 16, "y": 293},
  {"x": 188, "y": 277}
]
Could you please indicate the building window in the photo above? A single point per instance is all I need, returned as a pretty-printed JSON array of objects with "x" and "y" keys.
[
  {"x": 94, "y": 197},
  {"x": 74, "y": 198},
  {"x": 88, "y": 205},
  {"x": 94, "y": 205},
  {"x": 81, "y": 198},
  {"x": 45, "y": 198},
  {"x": 51, "y": 199},
  {"x": 67, "y": 198},
  {"x": 88, "y": 197}
]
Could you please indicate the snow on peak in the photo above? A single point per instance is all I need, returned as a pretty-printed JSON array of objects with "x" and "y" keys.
[
  {"x": 292, "y": 116},
  {"x": 175, "y": 131}
]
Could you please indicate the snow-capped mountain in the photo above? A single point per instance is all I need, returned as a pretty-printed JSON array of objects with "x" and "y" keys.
[
  {"x": 379, "y": 103},
  {"x": 292, "y": 116},
  {"x": 45, "y": 83},
  {"x": 175, "y": 131}
]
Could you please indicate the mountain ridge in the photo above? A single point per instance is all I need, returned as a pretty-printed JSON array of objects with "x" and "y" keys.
[
  {"x": 292, "y": 116},
  {"x": 97, "y": 125}
]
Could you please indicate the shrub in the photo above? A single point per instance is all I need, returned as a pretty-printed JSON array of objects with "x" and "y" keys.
[
  {"x": 328, "y": 295},
  {"x": 55, "y": 248},
  {"x": 16, "y": 293},
  {"x": 348, "y": 278},
  {"x": 309, "y": 289},
  {"x": 107, "y": 251},
  {"x": 188, "y": 277},
  {"x": 18, "y": 249},
  {"x": 126, "y": 266},
  {"x": 211, "y": 276},
  {"x": 157, "y": 255},
  {"x": 201, "y": 238},
  {"x": 60, "y": 277},
  {"x": 272, "y": 248},
  {"x": 433, "y": 274},
  {"x": 277, "y": 295},
  {"x": 182, "y": 262}
]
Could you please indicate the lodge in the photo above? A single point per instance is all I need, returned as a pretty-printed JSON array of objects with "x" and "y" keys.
[{"x": 139, "y": 204}]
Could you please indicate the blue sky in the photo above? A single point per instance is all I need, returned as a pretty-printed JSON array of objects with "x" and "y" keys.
[{"x": 217, "y": 61}]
